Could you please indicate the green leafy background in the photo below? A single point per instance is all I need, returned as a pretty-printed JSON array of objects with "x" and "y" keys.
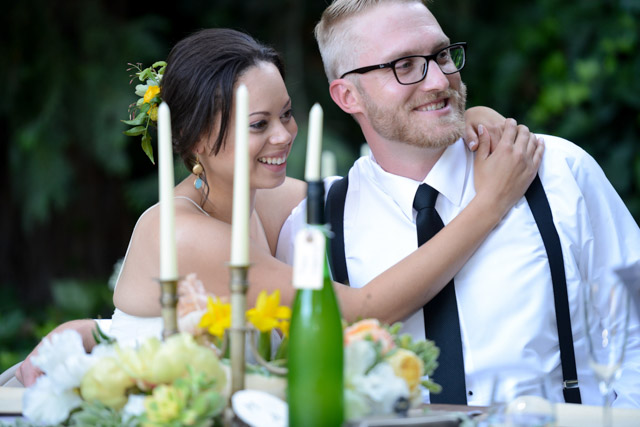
[{"x": 73, "y": 184}]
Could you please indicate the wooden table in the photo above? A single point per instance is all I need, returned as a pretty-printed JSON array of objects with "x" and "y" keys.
[{"x": 568, "y": 415}]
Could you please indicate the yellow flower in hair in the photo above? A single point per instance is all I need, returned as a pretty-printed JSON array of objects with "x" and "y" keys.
[
  {"x": 268, "y": 313},
  {"x": 217, "y": 318},
  {"x": 151, "y": 93},
  {"x": 153, "y": 112}
]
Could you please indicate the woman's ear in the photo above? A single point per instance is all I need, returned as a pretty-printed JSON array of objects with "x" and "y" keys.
[
  {"x": 200, "y": 147},
  {"x": 345, "y": 95}
]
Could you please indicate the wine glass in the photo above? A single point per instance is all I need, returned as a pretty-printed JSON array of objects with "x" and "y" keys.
[
  {"x": 520, "y": 398},
  {"x": 606, "y": 315}
]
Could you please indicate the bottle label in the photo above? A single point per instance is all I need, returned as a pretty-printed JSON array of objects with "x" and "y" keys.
[{"x": 308, "y": 259}]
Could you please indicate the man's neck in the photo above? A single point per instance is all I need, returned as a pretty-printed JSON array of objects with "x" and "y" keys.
[{"x": 406, "y": 160}]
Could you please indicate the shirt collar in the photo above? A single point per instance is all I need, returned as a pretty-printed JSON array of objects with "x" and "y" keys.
[{"x": 448, "y": 176}]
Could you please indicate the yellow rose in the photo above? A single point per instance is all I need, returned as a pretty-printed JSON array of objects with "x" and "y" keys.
[
  {"x": 137, "y": 361},
  {"x": 408, "y": 366},
  {"x": 180, "y": 351},
  {"x": 205, "y": 360},
  {"x": 151, "y": 93},
  {"x": 106, "y": 382},
  {"x": 156, "y": 362}
]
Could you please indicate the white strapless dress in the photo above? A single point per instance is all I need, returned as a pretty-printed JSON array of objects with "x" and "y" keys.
[{"x": 131, "y": 330}]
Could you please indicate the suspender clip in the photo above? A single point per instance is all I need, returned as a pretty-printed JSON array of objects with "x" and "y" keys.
[{"x": 568, "y": 384}]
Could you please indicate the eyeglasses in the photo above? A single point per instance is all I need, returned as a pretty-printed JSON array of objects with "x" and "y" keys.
[{"x": 413, "y": 69}]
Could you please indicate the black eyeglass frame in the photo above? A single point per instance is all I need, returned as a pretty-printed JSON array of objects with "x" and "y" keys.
[{"x": 428, "y": 58}]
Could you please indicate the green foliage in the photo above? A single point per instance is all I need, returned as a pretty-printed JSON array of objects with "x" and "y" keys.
[
  {"x": 21, "y": 328},
  {"x": 67, "y": 91},
  {"x": 563, "y": 68},
  {"x": 99, "y": 415},
  {"x": 192, "y": 400}
]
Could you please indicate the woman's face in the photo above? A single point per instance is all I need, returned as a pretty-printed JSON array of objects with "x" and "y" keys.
[{"x": 272, "y": 130}]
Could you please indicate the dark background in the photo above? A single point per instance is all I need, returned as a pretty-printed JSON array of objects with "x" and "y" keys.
[{"x": 73, "y": 184}]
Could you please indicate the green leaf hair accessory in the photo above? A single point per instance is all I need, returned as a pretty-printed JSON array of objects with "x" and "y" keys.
[{"x": 144, "y": 112}]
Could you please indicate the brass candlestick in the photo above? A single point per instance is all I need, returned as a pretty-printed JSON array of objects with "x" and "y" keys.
[
  {"x": 239, "y": 286},
  {"x": 169, "y": 302}
]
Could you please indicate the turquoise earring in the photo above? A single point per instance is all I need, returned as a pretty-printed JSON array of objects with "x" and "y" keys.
[{"x": 197, "y": 171}]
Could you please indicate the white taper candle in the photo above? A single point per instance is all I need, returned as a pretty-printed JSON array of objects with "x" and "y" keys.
[
  {"x": 168, "y": 260},
  {"x": 240, "y": 215},
  {"x": 314, "y": 144},
  {"x": 329, "y": 164}
]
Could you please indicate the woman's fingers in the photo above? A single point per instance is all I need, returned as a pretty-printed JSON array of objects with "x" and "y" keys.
[
  {"x": 27, "y": 373},
  {"x": 537, "y": 155},
  {"x": 471, "y": 137},
  {"x": 484, "y": 143}
]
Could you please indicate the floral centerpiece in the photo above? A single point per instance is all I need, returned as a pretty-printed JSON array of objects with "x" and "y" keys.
[
  {"x": 172, "y": 383},
  {"x": 384, "y": 371},
  {"x": 184, "y": 379}
]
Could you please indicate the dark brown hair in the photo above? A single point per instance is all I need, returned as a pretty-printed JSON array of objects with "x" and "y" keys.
[{"x": 199, "y": 80}]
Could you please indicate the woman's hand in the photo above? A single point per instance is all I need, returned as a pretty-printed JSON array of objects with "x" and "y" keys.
[
  {"x": 491, "y": 121},
  {"x": 27, "y": 373},
  {"x": 503, "y": 175}
]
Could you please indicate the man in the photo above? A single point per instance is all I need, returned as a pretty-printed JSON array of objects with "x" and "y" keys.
[{"x": 410, "y": 112}]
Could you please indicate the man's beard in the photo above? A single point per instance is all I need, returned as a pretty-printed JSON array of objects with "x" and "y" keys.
[{"x": 396, "y": 125}]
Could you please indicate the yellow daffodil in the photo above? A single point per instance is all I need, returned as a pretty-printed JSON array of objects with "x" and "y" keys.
[
  {"x": 284, "y": 327},
  {"x": 217, "y": 318},
  {"x": 268, "y": 313},
  {"x": 151, "y": 93}
]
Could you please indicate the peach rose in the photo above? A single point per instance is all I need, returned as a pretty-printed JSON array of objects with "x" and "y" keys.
[{"x": 369, "y": 329}]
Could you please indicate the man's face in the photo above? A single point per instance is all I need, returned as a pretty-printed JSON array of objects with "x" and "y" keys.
[{"x": 429, "y": 113}]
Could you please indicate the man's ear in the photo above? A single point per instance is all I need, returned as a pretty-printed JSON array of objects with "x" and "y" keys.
[{"x": 345, "y": 95}]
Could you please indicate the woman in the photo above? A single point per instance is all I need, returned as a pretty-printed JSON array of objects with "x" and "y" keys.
[{"x": 199, "y": 82}]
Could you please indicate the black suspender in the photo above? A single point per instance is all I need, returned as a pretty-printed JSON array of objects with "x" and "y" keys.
[
  {"x": 334, "y": 215},
  {"x": 541, "y": 210}
]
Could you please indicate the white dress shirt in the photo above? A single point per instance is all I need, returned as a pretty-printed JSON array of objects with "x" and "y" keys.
[{"x": 504, "y": 292}]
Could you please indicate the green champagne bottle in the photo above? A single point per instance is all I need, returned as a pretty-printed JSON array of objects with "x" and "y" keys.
[{"x": 316, "y": 374}]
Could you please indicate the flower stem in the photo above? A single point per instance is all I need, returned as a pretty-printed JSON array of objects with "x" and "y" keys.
[{"x": 264, "y": 345}]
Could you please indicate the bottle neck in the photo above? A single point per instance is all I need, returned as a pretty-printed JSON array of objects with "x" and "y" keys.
[{"x": 315, "y": 203}]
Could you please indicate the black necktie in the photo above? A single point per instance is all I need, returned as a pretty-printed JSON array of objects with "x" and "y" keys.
[{"x": 441, "y": 313}]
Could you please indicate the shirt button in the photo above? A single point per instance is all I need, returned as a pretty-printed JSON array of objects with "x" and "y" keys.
[{"x": 470, "y": 393}]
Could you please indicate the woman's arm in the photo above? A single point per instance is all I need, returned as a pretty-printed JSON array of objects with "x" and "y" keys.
[
  {"x": 501, "y": 179},
  {"x": 203, "y": 246}
]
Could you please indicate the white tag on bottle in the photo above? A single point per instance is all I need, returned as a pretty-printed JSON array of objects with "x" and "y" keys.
[{"x": 308, "y": 259}]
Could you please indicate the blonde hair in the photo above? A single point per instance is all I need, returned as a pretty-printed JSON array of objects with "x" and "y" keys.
[{"x": 333, "y": 31}]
